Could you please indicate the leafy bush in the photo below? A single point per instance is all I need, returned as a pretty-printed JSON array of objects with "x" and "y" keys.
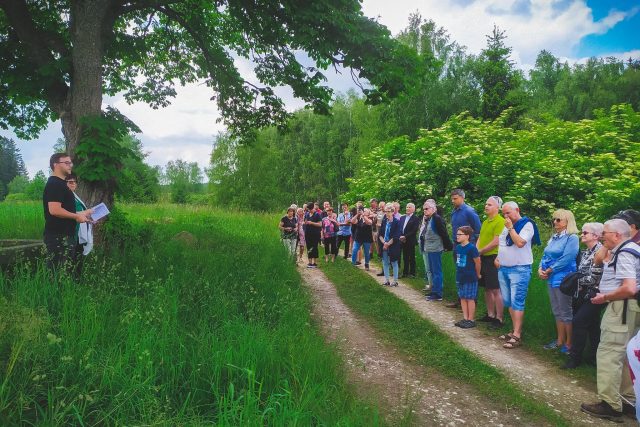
[{"x": 591, "y": 166}]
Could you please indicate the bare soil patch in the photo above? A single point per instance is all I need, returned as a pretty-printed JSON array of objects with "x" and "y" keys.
[
  {"x": 406, "y": 392},
  {"x": 544, "y": 380}
]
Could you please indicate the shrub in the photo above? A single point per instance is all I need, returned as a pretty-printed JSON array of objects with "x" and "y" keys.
[{"x": 591, "y": 167}]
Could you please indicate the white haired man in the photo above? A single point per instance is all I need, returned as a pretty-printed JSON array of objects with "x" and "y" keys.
[{"x": 621, "y": 321}]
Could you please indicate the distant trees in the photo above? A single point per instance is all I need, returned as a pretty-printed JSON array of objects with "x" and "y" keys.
[
  {"x": 11, "y": 165},
  {"x": 183, "y": 179}
]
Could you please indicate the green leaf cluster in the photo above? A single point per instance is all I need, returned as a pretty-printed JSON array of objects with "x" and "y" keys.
[
  {"x": 100, "y": 154},
  {"x": 591, "y": 167}
]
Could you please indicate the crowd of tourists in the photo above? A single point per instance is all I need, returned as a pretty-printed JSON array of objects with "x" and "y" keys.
[{"x": 496, "y": 254}]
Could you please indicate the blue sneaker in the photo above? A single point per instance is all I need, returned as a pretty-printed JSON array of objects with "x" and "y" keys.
[
  {"x": 564, "y": 349},
  {"x": 434, "y": 297},
  {"x": 553, "y": 345}
]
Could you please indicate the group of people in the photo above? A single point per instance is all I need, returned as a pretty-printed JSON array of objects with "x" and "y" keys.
[
  {"x": 68, "y": 235},
  {"x": 497, "y": 254}
]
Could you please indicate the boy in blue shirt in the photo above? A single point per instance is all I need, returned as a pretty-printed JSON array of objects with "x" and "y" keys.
[{"x": 467, "y": 275}]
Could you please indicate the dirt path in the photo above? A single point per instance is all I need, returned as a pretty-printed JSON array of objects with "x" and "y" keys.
[
  {"x": 544, "y": 380},
  {"x": 405, "y": 391}
]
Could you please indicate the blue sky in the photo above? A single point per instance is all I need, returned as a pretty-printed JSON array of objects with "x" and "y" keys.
[
  {"x": 625, "y": 36},
  {"x": 573, "y": 30}
]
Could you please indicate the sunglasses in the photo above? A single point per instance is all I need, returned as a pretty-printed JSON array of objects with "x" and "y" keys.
[
  {"x": 557, "y": 219},
  {"x": 584, "y": 233}
]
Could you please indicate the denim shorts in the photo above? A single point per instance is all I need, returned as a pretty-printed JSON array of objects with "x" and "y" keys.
[
  {"x": 467, "y": 290},
  {"x": 514, "y": 285}
]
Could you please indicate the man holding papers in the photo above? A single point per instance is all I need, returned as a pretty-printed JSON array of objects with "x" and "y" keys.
[{"x": 60, "y": 215}]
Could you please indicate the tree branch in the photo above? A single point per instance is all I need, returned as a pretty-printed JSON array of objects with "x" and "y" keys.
[{"x": 38, "y": 51}]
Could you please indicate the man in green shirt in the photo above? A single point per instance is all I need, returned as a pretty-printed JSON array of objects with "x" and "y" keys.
[{"x": 487, "y": 245}]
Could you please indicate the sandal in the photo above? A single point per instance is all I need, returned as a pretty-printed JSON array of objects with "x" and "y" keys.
[
  {"x": 514, "y": 342},
  {"x": 506, "y": 337}
]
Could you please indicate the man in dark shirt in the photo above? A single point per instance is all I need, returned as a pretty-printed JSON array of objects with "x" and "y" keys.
[
  {"x": 409, "y": 224},
  {"x": 60, "y": 216}
]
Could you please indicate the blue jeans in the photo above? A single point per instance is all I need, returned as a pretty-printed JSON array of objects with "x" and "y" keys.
[
  {"x": 386, "y": 263},
  {"x": 433, "y": 271},
  {"x": 514, "y": 285},
  {"x": 356, "y": 248}
]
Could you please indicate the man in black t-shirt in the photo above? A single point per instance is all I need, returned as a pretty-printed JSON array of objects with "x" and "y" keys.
[{"x": 60, "y": 216}]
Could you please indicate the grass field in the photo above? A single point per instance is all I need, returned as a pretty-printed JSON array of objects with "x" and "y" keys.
[{"x": 213, "y": 328}]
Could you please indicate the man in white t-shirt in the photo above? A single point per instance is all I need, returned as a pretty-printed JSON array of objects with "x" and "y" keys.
[
  {"x": 514, "y": 266},
  {"x": 621, "y": 321}
]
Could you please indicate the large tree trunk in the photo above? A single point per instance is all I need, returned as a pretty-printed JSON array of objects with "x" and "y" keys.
[{"x": 88, "y": 20}]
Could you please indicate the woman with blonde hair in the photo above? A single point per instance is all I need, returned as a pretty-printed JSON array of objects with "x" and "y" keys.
[{"x": 559, "y": 260}]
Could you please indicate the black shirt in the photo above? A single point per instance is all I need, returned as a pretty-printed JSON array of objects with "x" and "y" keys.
[
  {"x": 289, "y": 223},
  {"x": 364, "y": 232},
  {"x": 56, "y": 190},
  {"x": 311, "y": 230}
]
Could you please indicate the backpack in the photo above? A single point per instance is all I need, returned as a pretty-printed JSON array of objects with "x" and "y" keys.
[{"x": 614, "y": 262}]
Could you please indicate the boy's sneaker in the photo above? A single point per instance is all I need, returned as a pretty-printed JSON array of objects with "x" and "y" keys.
[
  {"x": 459, "y": 323},
  {"x": 486, "y": 318},
  {"x": 366, "y": 267},
  {"x": 553, "y": 345},
  {"x": 466, "y": 324},
  {"x": 386, "y": 284},
  {"x": 434, "y": 297},
  {"x": 394, "y": 284},
  {"x": 309, "y": 265},
  {"x": 358, "y": 263}
]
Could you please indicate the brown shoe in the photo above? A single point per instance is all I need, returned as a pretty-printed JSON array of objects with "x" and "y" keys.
[
  {"x": 453, "y": 304},
  {"x": 629, "y": 410},
  {"x": 602, "y": 410}
]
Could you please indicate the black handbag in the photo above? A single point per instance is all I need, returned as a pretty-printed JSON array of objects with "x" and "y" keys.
[{"x": 569, "y": 284}]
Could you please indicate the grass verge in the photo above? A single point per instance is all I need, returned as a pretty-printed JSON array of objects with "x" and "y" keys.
[
  {"x": 539, "y": 324},
  {"x": 405, "y": 329}
]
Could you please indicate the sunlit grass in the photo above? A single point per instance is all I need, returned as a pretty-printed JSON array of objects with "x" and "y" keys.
[{"x": 210, "y": 329}]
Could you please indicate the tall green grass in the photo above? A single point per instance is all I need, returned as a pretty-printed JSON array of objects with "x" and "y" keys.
[{"x": 170, "y": 332}]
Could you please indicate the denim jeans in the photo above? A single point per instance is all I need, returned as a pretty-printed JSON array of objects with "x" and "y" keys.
[
  {"x": 433, "y": 271},
  {"x": 386, "y": 263},
  {"x": 514, "y": 285},
  {"x": 356, "y": 248}
]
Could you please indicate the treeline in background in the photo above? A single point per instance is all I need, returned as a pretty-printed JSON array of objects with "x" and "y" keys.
[{"x": 560, "y": 135}]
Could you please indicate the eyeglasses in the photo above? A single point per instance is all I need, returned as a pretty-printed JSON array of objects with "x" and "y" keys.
[
  {"x": 557, "y": 219},
  {"x": 584, "y": 233},
  {"x": 460, "y": 234},
  {"x": 68, "y": 163},
  {"x": 605, "y": 232}
]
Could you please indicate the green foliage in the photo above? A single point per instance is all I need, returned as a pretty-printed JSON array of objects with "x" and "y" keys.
[
  {"x": 119, "y": 231},
  {"x": 137, "y": 182},
  {"x": 36, "y": 186},
  {"x": 183, "y": 178},
  {"x": 591, "y": 167},
  {"x": 11, "y": 165},
  {"x": 18, "y": 184},
  {"x": 497, "y": 76},
  {"x": 146, "y": 48},
  {"x": 100, "y": 154}
]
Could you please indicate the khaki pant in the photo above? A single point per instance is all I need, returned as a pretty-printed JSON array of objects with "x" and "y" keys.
[{"x": 614, "y": 378}]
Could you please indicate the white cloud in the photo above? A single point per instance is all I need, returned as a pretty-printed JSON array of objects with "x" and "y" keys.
[{"x": 554, "y": 25}]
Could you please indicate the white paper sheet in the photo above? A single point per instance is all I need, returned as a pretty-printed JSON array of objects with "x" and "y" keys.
[{"x": 99, "y": 212}]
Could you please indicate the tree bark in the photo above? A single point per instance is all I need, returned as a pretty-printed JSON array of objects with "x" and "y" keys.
[{"x": 89, "y": 18}]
